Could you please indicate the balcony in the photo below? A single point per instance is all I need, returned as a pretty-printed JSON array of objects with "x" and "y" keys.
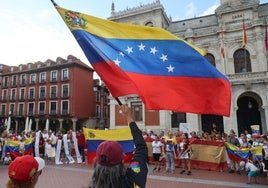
[
  {"x": 30, "y": 113},
  {"x": 14, "y": 85},
  {"x": 12, "y": 99},
  {"x": 53, "y": 112},
  {"x": 31, "y": 98},
  {"x": 249, "y": 77},
  {"x": 65, "y": 112},
  {"x": 41, "y": 112},
  {"x": 65, "y": 79},
  {"x": 5, "y": 86},
  {"x": 21, "y": 99},
  {"x": 42, "y": 97},
  {"x": 53, "y": 96},
  {"x": 53, "y": 80},
  {"x": 32, "y": 82},
  {"x": 65, "y": 95}
]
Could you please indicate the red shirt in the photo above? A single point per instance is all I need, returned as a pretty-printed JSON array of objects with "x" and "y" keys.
[{"x": 81, "y": 140}]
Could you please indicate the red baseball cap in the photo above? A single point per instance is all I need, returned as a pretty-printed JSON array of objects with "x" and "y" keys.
[
  {"x": 23, "y": 168},
  {"x": 112, "y": 150}
]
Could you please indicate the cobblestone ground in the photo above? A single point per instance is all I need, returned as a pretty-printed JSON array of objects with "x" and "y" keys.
[{"x": 78, "y": 176}]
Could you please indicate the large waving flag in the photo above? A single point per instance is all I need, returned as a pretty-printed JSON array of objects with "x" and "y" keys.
[
  {"x": 95, "y": 137},
  {"x": 165, "y": 71}
]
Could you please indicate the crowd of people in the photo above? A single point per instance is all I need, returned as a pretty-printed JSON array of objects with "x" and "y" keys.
[
  {"x": 51, "y": 146},
  {"x": 177, "y": 146},
  {"x": 62, "y": 148}
]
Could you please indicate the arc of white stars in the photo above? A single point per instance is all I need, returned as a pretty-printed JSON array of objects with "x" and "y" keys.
[
  {"x": 141, "y": 47},
  {"x": 117, "y": 62},
  {"x": 170, "y": 68},
  {"x": 164, "y": 58},
  {"x": 153, "y": 50},
  {"x": 129, "y": 50}
]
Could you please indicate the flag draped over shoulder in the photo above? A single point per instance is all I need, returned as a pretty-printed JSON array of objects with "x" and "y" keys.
[
  {"x": 237, "y": 154},
  {"x": 165, "y": 71},
  {"x": 12, "y": 146},
  {"x": 244, "y": 35},
  {"x": 95, "y": 137}
]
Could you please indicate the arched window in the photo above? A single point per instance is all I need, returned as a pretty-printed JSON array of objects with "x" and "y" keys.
[
  {"x": 242, "y": 61},
  {"x": 150, "y": 24},
  {"x": 211, "y": 59}
]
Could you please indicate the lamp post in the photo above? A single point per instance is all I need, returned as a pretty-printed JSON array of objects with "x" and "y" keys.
[{"x": 101, "y": 93}]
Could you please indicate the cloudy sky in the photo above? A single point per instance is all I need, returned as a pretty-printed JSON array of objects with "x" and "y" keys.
[{"x": 32, "y": 30}]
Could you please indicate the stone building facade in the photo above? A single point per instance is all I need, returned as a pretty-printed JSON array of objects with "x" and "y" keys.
[{"x": 246, "y": 67}]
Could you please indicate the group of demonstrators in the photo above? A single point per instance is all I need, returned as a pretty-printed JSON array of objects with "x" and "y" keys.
[
  {"x": 109, "y": 167},
  {"x": 171, "y": 147},
  {"x": 58, "y": 147}
]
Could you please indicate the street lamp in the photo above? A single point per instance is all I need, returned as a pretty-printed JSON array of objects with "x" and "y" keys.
[{"x": 101, "y": 93}]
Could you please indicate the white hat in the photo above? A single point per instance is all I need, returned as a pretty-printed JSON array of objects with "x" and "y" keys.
[{"x": 41, "y": 163}]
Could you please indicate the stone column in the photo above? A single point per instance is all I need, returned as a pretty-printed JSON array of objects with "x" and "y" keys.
[
  {"x": 60, "y": 120},
  {"x": 74, "y": 120},
  {"x": 37, "y": 124}
]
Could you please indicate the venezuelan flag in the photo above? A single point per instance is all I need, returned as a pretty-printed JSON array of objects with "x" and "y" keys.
[
  {"x": 237, "y": 154},
  {"x": 95, "y": 137},
  {"x": 12, "y": 146},
  {"x": 131, "y": 59},
  {"x": 208, "y": 155}
]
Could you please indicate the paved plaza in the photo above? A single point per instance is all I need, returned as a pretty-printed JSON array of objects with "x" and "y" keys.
[{"x": 78, "y": 176}]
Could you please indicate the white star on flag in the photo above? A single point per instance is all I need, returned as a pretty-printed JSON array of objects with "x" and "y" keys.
[
  {"x": 164, "y": 58},
  {"x": 117, "y": 62},
  {"x": 170, "y": 68},
  {"x": 122, "y": 54},
  {"x": 153, "y": 50},
  {"x": 129, "y": 50},
  {"x": 141, "y": 47}
]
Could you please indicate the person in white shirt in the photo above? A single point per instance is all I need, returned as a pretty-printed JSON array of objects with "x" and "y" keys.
[
  {"x": 157, "y": 152},
  {"x": 253, "y": 170}
]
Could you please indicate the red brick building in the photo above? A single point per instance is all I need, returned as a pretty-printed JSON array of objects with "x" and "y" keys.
[{"x": 60, "y": 91}]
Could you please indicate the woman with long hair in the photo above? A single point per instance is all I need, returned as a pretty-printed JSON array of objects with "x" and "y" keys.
[{"x": 109, "y": 170}]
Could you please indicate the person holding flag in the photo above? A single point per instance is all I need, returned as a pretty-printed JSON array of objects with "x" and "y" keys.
[{"x": 109, "y": 168}]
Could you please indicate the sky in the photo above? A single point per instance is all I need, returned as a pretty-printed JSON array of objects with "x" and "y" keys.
[{"x": 32, "y": 30}]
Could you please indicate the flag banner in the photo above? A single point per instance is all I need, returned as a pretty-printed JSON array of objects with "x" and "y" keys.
[
  {"x": 12, "y": 146},
  {"x": 208, "y": 155},
  {"x": 95, "y": 137},
  {"x": 244, "y": 35},
  {"x": 205, "y": 155},
  {"x": 165, "y": 71},
  {"x": 237, "y": 154},
  {"x": 257, "y": 153},
  {"x": 222, "y": 46}
]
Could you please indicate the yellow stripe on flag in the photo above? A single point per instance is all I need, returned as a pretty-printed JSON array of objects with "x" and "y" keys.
[{"x": 112, "y": 135}]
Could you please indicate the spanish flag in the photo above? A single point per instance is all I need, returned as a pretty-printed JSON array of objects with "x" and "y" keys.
[
  {"x": 244, "y": 35},
  {"x": 95, "y": 137}
]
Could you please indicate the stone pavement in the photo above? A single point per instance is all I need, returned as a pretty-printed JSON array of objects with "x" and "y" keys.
[{"x": 78, "y": 176}]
